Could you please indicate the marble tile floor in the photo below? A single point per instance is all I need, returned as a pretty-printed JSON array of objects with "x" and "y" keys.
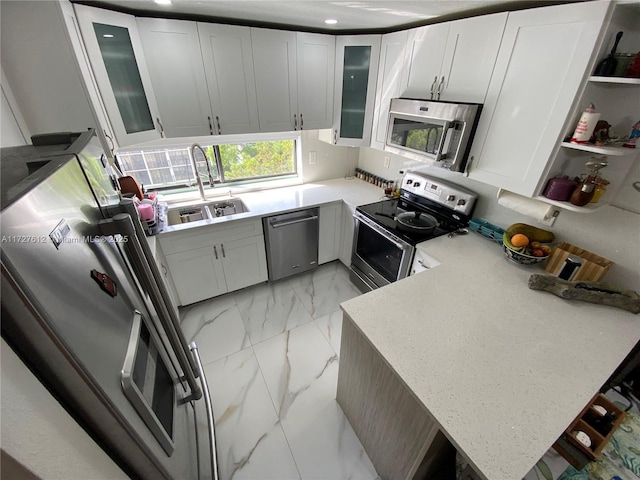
[{"x": 271, "y": 354}]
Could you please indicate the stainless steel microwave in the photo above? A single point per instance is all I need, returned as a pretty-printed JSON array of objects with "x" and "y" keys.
[{"x": 431, "y": 131}]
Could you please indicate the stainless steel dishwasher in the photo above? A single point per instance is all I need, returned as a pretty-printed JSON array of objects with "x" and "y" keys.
[{"x": 292, "y": 242}]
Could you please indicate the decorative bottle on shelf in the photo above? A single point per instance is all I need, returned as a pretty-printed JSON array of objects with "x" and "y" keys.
[
  {"x": 586, "y": 125},
  {"x": 585, "y": 190}
]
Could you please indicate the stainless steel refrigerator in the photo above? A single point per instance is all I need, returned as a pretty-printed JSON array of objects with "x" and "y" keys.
[{"x": 83, "y": 305}]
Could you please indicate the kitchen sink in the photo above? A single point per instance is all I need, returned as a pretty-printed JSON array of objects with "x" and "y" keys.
[{"x": 205, "y": 211}]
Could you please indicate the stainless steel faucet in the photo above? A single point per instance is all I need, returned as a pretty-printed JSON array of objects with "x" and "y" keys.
[{"x": 197, "y": 173}]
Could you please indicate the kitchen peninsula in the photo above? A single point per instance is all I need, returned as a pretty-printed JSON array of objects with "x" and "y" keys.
[{"x": 468, "y": 350}]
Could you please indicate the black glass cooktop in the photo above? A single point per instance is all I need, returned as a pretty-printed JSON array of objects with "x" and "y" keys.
[{"x": 384, "y": 213}]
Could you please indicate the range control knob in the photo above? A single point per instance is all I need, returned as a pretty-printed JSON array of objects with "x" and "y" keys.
[
  {"x": 451, "y": 198},
  {"x": 462, "y": 201},
  {"x": 409, "y": 182},
  {"x": 416, "y": 184}
]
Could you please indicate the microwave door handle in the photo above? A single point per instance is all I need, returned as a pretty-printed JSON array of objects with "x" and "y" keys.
[
  {"x": 122, "y": 224},
  {"x": 445, "y": 131},
  {"x": 209, "y": 408}
]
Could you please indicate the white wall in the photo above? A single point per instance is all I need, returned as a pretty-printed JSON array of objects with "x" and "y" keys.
[
  {"x": 10, "y": 134},
  {"x": 39, "y": 434},
  {"x": 612, "y": 232},
  {"x": 331, "y": 161},
  {"x": 39, "y": 65}
]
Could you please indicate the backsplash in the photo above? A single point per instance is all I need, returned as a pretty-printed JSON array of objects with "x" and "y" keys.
[{"x": 611, "y": 232}]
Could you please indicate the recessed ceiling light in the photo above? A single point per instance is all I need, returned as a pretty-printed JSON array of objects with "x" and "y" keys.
[
  {"x": 107, "y": 35},
  {"x": 162, "y": 2},
  {"x": 331, "y": 21}
]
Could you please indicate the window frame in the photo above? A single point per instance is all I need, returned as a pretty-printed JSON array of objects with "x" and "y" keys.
[{"x": 215, "y": 142}]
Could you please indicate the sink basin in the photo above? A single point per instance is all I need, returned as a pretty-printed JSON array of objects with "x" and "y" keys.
[{"x": 205, "y": 211}]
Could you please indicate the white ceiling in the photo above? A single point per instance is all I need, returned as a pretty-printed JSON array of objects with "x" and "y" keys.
[{"x": 310, "y": 14}]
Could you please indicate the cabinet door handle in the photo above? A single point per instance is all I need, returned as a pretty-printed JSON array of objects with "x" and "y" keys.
[
  {"x": 422, "y": 264},
  {"x": 218, "y": 123},
  {"x": 440, "y": 86},
  {"x": 106, "y": 135},
  {"x": 335, "y": 137},
  {"x": 301, "y": 122},
  {"x": 215, "y": 251},
  {"x": 434, "y": 87},
  {"x": 210, "y": 125},
  {"x": 161, "y": 127},
  {"x": 222, "y": 247},
  {"x": 295, "y": 122}
]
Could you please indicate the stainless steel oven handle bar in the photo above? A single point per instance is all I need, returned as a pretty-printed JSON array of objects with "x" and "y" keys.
[
  {"x": 122, "y": 224},
  {"x": 382, "y": 231},
  {"x": 210, "y": 419}
]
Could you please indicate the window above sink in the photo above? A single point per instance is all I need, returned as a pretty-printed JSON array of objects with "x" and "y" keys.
[{"x": 233, "y": 161}]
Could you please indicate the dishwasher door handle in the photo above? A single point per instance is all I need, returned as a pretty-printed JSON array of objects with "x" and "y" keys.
[{"x": 292, "y": 222}]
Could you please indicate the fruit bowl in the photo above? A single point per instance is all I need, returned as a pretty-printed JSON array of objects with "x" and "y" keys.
[{"x": 521, "y": 258}]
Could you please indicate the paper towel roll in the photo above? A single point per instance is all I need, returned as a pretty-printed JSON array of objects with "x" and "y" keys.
[{"x": 541, "y": 211}]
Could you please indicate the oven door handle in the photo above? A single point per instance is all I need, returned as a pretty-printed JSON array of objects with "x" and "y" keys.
[{"x": 380, "y": 231}]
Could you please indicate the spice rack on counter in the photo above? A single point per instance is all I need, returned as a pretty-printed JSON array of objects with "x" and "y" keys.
[{"x": 374, "y": 179}]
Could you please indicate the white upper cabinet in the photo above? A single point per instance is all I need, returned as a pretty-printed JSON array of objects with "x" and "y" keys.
[
  {"x": 355, "y": 88},
  {"x": 274, "y": 60},
  {"x": 453, "y": 61},
  {"x": 172, "y": 51},
  {"x": 469, "y": 58},
  {"x": 115, "y": 52},
  {"x": 316, "y": 66},
  {"x": 423, "y": 61},
  {"x": 390, "y": 71},
  {"x": 228, "y": 65},
  {"x": 541, "y": 65}
]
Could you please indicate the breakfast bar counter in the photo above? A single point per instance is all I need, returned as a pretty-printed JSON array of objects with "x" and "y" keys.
[{"x": 467, "y": 350}]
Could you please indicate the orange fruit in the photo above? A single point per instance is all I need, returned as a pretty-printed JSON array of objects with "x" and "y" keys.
[{"x": 519, "y": 240}]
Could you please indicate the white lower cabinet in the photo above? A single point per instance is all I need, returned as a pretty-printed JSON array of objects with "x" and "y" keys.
[
  {"x": 346, "y": 237},
  {"x": 330, "y": 232},
  {"x": 197, "y": 275},
  {"x": 244, "y": 262},
  {"x": 422, "y": 262},
  {"x": 212, "y": 260}
]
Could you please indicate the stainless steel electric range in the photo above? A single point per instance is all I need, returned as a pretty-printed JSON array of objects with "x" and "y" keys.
[{"x": 384, "y": 242}]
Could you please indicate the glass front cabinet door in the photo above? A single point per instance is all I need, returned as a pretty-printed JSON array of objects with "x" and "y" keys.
[
  {"x": 356, "y": 72},
  {"x": 115, "y": 52}
]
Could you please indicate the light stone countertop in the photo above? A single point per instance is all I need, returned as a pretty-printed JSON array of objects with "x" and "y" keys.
[
  {"x": 352, "y": 191},
  {"x": 503, "y": 369}
]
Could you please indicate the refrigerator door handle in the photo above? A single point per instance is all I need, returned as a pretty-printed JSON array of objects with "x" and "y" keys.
[
  {"x": 128, "y": 206},
  {"x": 207, "y": 401},
  {"x": 122, "y": 224}
]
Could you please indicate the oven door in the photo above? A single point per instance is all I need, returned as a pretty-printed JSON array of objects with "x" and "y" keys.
[{"x": 378, "y": 258}]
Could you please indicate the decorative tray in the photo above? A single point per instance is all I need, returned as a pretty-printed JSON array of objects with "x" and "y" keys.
[{"x": 486, "y": 229}]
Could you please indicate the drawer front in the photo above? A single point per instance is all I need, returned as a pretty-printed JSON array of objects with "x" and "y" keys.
[{"x": 209, "y": 235}]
